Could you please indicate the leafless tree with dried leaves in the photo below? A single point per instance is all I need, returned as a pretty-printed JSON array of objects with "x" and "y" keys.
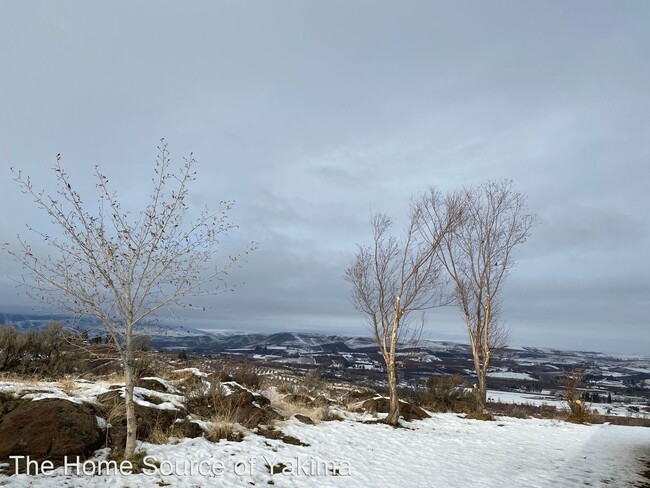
[
  {"x": 478, "y": 255},
  {"x": 574, "y": 393},
  {"x": 126, "y": 269},
  {"x": 393, "y": 279}
]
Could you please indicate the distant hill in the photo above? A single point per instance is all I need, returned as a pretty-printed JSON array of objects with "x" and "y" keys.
[{"x": 176, "y": 337}]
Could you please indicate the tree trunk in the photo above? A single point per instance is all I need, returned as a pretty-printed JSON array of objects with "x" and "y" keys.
[
  {"x": 129, "y": 382},
  {"x": 481, "y": 391},
  {"x": 482, "y": 377},
  {"x": 393, "y": 412}
]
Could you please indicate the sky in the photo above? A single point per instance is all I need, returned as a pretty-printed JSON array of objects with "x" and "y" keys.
[{"x": 314, "y": 115}]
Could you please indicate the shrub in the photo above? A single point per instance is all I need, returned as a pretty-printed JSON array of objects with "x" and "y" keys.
[
  {"x": 137, "y": 460},
  {"x": 246, "y": 376},
  {"x": 157, "y": 434},
  {"x": 523, "y": 410},
  {"x": 447, "y": 394},
  {"x": 479, "y": 415},
  {"x": 518, "y": 413},
  {"x": 312, "y": 381},
  {"x": 579, "y": 412},
  {"x": 203, "y": 398},
  {"x": 53, "y": 351}
]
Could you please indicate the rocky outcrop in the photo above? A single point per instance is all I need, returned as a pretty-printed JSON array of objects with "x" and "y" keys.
[
  {"x": 382, "y": 405},
  {"x": 50, "y": 429}
]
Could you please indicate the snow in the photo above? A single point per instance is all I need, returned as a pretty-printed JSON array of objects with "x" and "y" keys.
[
  {"x": 444, "y": 450},
  {"x": 640, "y": 370},
  {"x": 524, "y": 398},
  {"x": 511, "y": 375},
  {"x": 193, "y": 371},
  {"x": 88, "y": 392},
  {"x": 55, "y": 394},
  {"x": 170, "y": 388}
]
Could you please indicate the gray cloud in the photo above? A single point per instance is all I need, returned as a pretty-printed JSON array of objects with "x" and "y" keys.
[{"x": 312, "y": 115}]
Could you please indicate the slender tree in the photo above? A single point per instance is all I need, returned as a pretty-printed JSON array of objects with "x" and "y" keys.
[
  {"x": 478, "y": 255},
  {"x": 392, "y": 279},
  {"x": 125, "y": 269}
]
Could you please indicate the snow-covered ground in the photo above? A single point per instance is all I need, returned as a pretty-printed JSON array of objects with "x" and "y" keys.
[
  {"x": 444, "y": 451},
  {"x": 511, "y": 375},
  {"x": 617, "y": 409}
]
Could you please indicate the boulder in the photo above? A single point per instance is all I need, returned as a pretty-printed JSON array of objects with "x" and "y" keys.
[
  {"x": 153, "y": 384},
  {"x": 407, "y": 410},
  {"x": 50, "y": 429},
  {"x": 187, "y": 428},
  {"x": 148, "y": 419},
  {"x": 245, "y": 407},
  {"x": 304, "y": 419}
]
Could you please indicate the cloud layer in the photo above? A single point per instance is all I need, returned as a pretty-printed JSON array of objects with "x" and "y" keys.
[{"x": 313, "y": 115}]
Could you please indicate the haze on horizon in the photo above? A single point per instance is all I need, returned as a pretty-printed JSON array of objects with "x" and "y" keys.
[{"x": 312, "y": 115}]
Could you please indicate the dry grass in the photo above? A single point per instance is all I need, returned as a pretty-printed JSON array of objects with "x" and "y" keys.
[
  {"x": 447, "y": 394},
  {"x": 475, "y": 415},
  {"x": 30, "y": 379},
  {"x": 285, "y": 385},
  {"x": 525, "y": 410},
  {"x": 157, "y": 435},
  {"x": 116, "y": 378},
  {"x": 223, "y": 424},
  {"x": 68, "y": 384},
  {"x": 289, "y": 409},
  {"x": 221, "y": 429},
  {"x": 115, "y": 412}
]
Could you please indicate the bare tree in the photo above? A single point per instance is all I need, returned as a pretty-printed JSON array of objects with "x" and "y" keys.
[
  {"x": 122, "y": 268},
  {"x": 478, "y": 254},
  {"x": 392, "y": 279}
]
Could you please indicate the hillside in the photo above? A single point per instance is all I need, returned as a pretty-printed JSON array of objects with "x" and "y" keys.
[{"x": 350, "y": 449}]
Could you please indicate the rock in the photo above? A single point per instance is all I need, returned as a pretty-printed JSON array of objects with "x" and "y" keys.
[
  {"x": 261, "y": 400},
  {"x": 289, "y": 439},
  {"x": 152, "y": 384},
  {"x": 8, "y": 403},
  {"x": 241, "y": 407},
  {"x": 269, "y": 432},
  {"x": 50, "y": 429},
  {"x": 357, "y": 395},
  {"x": 187, "y": 428},
  {"x": 272, "y": 433},
  {"x": 147, "y": 419},
  {"x": 407, "y": 410},
  {"x": 304, "y": 419}
]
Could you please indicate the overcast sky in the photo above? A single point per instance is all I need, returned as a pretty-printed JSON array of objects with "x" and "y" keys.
[{"x": 313, "y": 114}]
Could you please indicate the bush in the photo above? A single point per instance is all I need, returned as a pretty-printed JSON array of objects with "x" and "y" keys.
[
  {"x": 478, "y": 415},
  {"x": 447, "y": 394},
  {"x": 518, "y": 413},
  {"x": 246, "y": 376},
  {"x": 52, "y": 352},
  {"x": 312, "y": 381},
  {"x": 202, "y": 399},
  {"x": 523, "y": 410},
  {"x": 579, "y": 412},
  {"x": 137, "y": 460}
]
